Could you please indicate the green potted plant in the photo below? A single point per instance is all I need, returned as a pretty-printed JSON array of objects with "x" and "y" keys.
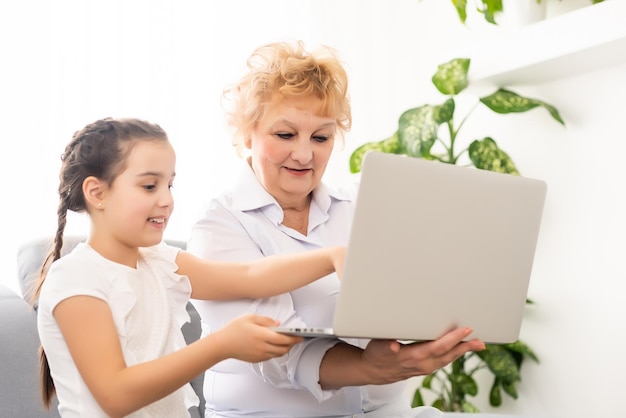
[{"x": 430, "y": 132}]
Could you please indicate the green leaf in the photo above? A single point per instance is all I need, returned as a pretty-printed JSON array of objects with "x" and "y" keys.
[
  {"x": 505, "y": 101},
  {"x": 440, "y": 405},
  {"x": 510, "y": 389},
  {"x": 522, "y": 348},
  {"x": 390, "y": 145},
  {"x": 500, "y": 362},
  {"x": 461, "y": 9},
  {"x": 418, "y": 400},
  {"x": 444, "y": 112},
  {"x": 486, "y": 155},
  {"x": 465, "y": 383},
  {"x": 428, "y": 381},
  {"x": 495, "y": 395},
  {"x": 468, "y": 407},
  {"x": 451, "y": 77},
  {"x": 417, "y": 130},
  {"x": 519, "y": 358},
  {"x": 490, "y": 8}
]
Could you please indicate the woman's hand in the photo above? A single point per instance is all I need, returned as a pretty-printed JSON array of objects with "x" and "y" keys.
[
  {"x": 391, "y": 361},
  {"x": 388, "y": 361}
]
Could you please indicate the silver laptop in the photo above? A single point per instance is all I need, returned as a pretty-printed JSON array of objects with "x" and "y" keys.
[{"x": 435, "y": 246}]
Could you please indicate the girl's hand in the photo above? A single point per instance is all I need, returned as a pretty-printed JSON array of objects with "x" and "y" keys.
[{"x": 250, "y": 339}]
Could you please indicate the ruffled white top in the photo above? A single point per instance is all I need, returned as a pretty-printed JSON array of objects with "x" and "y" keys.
[{"x": 148, "y": 304}]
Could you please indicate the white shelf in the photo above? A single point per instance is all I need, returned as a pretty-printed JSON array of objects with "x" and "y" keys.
[{"x": 580, "y": 41}]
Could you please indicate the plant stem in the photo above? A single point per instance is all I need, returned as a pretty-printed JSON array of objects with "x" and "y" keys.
[
  {"x": 450, "y": 149},
  {"x": 458, "y": 396},
  {"x": 453, "y": 133},
  {"x": 447, "y": 396}
]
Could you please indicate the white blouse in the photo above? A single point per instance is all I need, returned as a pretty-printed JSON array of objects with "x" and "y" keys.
[
  {"x": 148, "y": 306},
  {"x": 246, "y": 224}
]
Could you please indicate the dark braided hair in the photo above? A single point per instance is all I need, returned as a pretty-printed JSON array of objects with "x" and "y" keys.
[{"x": 100, "y": 150}]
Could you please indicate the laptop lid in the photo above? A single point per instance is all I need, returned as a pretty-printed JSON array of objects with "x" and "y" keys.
[{"x": 434, "y": 246}]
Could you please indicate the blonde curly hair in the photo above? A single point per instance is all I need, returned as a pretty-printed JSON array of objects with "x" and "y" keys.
[{"x": 289, "y": 70}]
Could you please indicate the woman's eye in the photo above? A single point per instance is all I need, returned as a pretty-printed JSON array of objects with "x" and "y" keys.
[
  {"x": 284, "y": 135},
  {"x": 320, "y": 138},
  {"x": 149, "y": 187}
]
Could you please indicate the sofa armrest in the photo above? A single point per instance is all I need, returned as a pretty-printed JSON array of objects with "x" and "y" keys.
[{"x": 19, "y": 359}]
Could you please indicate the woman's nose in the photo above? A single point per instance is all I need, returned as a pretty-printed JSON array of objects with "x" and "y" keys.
[{"x": 302, "y": 151}]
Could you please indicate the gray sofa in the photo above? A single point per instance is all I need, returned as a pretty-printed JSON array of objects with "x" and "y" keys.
[{"x": 19, "y": 341}]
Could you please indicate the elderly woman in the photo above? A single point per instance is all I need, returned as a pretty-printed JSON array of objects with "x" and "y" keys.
[{"x": 287, "y": 112}]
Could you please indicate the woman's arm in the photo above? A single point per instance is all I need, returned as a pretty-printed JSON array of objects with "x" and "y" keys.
[
  {"x": 88, "y": 328},
  {"x": 262, "y": 278},
  {"x": 388, "y": 361}
]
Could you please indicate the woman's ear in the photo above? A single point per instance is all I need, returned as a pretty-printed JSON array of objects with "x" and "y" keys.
[{"x": 93, "y": 190}]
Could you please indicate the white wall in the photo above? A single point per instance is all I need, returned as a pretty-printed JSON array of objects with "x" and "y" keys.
[
  {"x": 579, "y": 279},
  {"x": 70, "y": 62}
]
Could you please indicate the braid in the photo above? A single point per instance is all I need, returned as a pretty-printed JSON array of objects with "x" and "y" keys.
[
  {"x": 47, "y": 384},
  {"x": 55, "y": 252}
]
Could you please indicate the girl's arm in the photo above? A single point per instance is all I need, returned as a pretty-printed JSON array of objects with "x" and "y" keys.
[
  {"x": 265, "y": 277},
  {"x": 89, "y": 331}
]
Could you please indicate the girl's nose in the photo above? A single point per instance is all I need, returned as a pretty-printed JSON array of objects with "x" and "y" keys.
[{"x": 166, "y": 199}]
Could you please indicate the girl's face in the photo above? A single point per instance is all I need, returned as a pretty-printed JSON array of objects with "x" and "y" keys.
[
  {"x": 139, "y": 202},
  {"x": 290, "y": 148}
]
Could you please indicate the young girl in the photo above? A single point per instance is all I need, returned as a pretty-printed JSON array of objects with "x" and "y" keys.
[{"x": 110, "y": 312}]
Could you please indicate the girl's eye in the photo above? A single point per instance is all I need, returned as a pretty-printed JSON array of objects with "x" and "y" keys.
[
  {"x": 284, "y": 135},
  {"x": 149, "y": 187}
]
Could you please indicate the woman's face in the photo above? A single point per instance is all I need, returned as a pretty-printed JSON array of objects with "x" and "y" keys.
[{"x": 291, "y": 146}]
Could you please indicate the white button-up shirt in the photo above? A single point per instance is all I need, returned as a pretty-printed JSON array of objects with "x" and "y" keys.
[{"x": 246, "y": 224}]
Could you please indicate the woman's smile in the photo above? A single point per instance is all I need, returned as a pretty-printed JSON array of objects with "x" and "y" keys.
[{"x": 298, "y": 171}]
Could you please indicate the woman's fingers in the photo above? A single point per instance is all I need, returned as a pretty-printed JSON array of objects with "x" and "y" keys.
[{"x": 392, "y": 361}]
